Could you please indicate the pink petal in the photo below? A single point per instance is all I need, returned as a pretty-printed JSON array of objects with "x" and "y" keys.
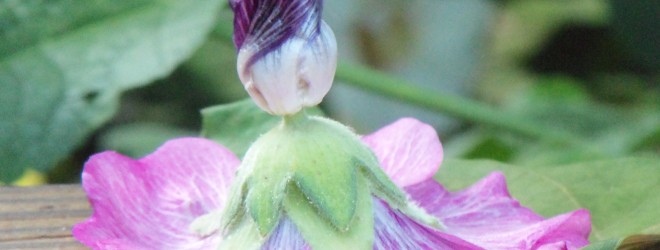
[
  {"x": 486, "y": 215},
  {"x": 409, "y": 151},
  {"x": 149, "y": 203}
]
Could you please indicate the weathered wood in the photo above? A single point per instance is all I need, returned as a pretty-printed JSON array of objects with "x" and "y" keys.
[{"x": 41, "y": 217}]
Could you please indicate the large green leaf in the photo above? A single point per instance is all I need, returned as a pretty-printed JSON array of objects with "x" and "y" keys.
[
  {"x": 622, "y": 195},
  {"x": 63, "y": 65}
]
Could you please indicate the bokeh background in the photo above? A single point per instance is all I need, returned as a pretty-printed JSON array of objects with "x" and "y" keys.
[{"x": 589, "y": 68}]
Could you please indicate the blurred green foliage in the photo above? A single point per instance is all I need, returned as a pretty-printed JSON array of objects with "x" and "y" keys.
[
  {"x": 584, "y": 66},
  {"x": 78, "y": 77},
  {"x": 64, "y": 64}
]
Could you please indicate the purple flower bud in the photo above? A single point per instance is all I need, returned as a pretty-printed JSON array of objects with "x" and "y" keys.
[{"x": 287, "y": 55}]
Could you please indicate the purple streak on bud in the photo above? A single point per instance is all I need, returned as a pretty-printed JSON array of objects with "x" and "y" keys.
[
  {"x": 268, "y": 24},
  {"x": 287, "y": 56}
]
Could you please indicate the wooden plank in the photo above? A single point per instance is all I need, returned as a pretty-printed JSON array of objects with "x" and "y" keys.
[{"x": 41, "y": 217}]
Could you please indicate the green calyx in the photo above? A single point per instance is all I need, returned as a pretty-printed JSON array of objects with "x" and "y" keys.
[
  {"x": 320, "y": 175},
  {"x": 314, "y": 155}
]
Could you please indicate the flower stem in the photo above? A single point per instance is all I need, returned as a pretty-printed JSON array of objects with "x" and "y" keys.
[
  {"x": 469, "y": 110},
  {"x": 295, "y": 119}
]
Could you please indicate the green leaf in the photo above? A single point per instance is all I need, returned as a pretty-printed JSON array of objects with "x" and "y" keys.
[
  {"x": 63, "y": 65},
  {"x": 604, "y": 245},
  {"x": 640, "y": 242},
  {"x": 627, "y": 243},
  {"x": 237, "y": 125},
  {"x": 622, "y": 195}
]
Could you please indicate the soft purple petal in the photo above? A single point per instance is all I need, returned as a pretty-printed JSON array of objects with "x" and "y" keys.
[
  {"x": 486, "y": 215},
  {"x": 409, "y": 151},
  {"x": 286, "y": 236},
  {"x": 268, "y": 24},
  {"x": 392, "y": 229},
  {"x": 396, "y": 231},
  {"x": 149, "y": 203}
]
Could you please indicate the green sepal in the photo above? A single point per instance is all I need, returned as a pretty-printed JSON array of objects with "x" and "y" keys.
[
  {"x": 322, "y": 235},
  {"x": 207, "y": 224},
  {"x": 382, "y": 186},
  {"x": 245, "y": 236},
  {"x": 264, "y": 199},
  {"x": 234, "y": 211},
  {"x": 313, "y": 152},
  {"x": 378, "y": 181},
  {"x": 333, "y": 193},
  {"x": 328, "y": 178},
  {"x": 267, "y": 179}
]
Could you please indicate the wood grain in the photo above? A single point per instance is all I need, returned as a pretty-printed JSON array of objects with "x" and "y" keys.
[{"x": 41, "y": 217}]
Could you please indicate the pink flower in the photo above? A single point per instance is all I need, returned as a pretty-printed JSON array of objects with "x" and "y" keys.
[{"x": 150, "y": 203}]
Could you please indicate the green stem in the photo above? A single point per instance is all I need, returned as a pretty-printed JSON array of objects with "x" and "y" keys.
[
  {"x": 463, "y": 108},
  {"x": 295, "y": 119}
]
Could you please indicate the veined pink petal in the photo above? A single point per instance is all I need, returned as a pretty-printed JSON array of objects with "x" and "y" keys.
[
  {"x": 409, "y": 151},
  {"x": 149, "y": 203},
  {"x": 486, "y": 215}
]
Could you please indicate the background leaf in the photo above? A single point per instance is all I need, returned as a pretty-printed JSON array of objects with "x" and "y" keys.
[
  {"x": 436, "y": 45},
  {"x": 63, "y": 65},
  {"x": 607, "y": 131},
  {"x": 636, "y": 24},
  {"x": 139, "y": 139},
  {"x": 634, "y": 242},
  {"x": 620, "y": 194}
]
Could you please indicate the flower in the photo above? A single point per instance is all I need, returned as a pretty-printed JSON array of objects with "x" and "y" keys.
[
  {"x": 150, "y": 203},
  {"x": 287, "y": 55}
]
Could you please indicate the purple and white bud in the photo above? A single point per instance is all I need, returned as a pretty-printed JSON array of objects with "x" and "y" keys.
[{"x": 287, "y": 55}]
